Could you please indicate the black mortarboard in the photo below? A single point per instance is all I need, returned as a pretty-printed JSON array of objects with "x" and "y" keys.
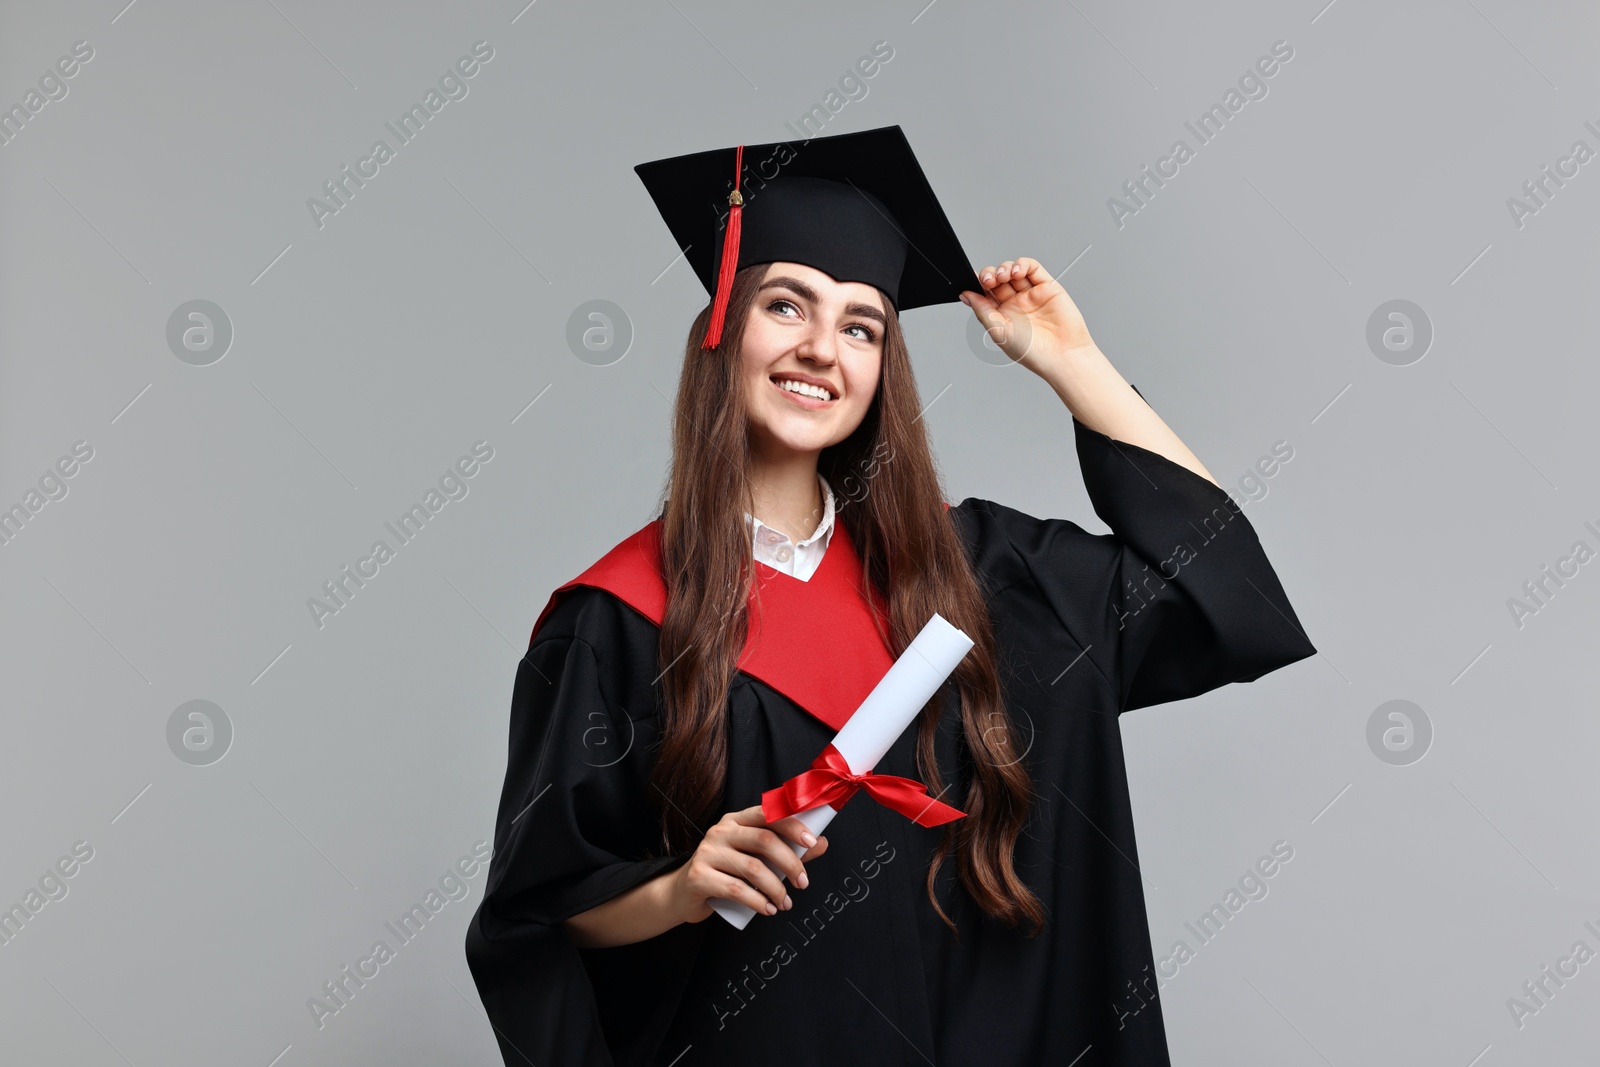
[{"x": 855, "y": 205}]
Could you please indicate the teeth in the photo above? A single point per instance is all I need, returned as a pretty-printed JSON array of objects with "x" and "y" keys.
[{"x": 804, "y": 389}]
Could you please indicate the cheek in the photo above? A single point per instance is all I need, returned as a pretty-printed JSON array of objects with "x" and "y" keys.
[
  {"x": 762, "y": 336},
  {"x": 758, "y": 348},
  {"x": 752, "y": 363},
  {"x": 864, "y": 383}
]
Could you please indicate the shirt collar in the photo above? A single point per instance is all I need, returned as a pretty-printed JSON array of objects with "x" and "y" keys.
[{"x": 824, "y": 530}]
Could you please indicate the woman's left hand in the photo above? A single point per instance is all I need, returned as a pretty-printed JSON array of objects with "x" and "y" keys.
[{"x": 1028, "y": 314}]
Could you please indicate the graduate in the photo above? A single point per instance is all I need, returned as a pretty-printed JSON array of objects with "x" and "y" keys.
[{"x": 804, "y": 539}]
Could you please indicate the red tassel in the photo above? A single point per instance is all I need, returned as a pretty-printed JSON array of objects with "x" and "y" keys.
[{"x": 730, "y": 257}]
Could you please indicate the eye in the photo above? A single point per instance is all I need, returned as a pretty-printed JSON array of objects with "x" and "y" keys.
[{"x": 868, "y": 334}]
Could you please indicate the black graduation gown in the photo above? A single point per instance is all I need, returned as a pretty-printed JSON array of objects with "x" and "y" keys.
[{"x": 1177, "y": 600}]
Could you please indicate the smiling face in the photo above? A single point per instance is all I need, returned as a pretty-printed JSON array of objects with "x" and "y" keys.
[{"x": 805, "y": 327}]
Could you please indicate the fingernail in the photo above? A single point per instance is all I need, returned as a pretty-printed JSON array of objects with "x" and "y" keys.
[
  {"x": 787, "y": 903},
  {"x": 807, "y": 836},
  {"x": 771, "y": 910},
  {"x": 804, "y": 881}
]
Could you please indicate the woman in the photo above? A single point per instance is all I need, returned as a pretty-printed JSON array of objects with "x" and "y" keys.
[{"x": 710, "y": 657}]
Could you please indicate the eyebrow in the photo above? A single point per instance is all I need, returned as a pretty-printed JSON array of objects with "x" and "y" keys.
[{"x": 805, "y": 292}]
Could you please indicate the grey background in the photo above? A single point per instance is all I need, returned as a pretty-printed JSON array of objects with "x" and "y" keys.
[{"x": 369, "y": 354}]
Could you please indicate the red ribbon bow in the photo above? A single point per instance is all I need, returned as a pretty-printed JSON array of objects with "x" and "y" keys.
[{"x": 830, "y": 781}]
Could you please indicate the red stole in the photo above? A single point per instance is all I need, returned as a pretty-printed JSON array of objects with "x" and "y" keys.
[{"x": 813, "y": 641}]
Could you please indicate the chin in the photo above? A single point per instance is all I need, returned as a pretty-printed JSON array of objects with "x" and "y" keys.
[
  {"x": 795, "y": 439},
  {"x": 799, "y": 442}
]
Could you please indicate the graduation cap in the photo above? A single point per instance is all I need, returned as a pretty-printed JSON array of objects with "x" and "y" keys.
[{"x": 856, "y": 206}]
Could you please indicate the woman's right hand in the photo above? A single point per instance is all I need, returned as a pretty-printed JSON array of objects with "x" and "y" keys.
[{"x": 727, "y": 865}]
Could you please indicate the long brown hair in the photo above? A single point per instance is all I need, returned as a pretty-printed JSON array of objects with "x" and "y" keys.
[{"x": 909, "y": 550}]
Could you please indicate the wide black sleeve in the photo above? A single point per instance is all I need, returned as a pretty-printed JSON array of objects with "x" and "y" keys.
[
  {"x": 1177, "y": 600},
  {"x": 573, "y": 831}
]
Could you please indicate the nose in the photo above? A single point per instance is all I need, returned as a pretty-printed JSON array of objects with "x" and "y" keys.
[{"x": 819, "y": 344}]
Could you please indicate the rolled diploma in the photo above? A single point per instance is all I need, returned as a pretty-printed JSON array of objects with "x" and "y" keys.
[{"x": 880, "y": 720}]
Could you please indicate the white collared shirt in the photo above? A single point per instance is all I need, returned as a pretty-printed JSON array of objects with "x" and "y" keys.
[{"x": 774, "y": 548}]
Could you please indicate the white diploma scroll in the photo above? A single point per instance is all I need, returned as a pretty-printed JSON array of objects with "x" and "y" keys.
[{"x": 880, "y": 720}]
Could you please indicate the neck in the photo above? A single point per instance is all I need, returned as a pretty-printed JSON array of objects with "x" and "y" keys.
[{"x": 786, "y": 494}]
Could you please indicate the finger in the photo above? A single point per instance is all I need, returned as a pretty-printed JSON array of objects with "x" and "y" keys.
[
  {"x": 981, "y": 303},
  {"x": 1024, "y": 274},
  {"x": 986, "y": 310},
  {"x": 794, "y": 830},
  {"x": 772, "y": 845},
  {"x": 720, "y": 884},
  {"x": 1003, "y": 289},
  {"x": 739, "y": 850},
  {"x": 813, "y": 853},
  {"x": 751, "y": 816},
  {"x": 752, "y": 833},
  {"x": 994, "y": 278},
  {"x": 732, "y": 849},
  {"x": 746, "y": 864},
  {"x": 707, "y": 881},
  {"x": 756, "y": 888}
]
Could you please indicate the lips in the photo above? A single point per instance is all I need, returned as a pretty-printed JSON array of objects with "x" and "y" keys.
[
  {"x": 806, "y": 379},
  {"x": 810, "y": 402}
]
